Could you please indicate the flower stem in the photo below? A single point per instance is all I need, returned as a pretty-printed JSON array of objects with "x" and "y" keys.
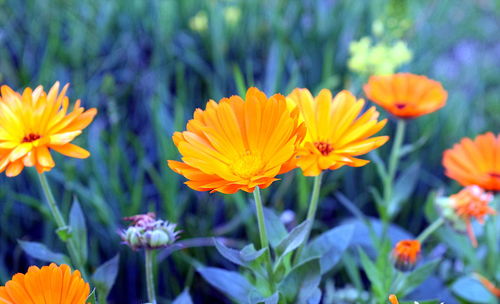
[
  {"x": 394, "y": 160},
  {"x": 264, "y": 242},
  {"x": 430, "y": 229},
  {"x": 313, "y": 204},
  {"x": 150, "y": 276},
  {"x": 61, "y": 225}
]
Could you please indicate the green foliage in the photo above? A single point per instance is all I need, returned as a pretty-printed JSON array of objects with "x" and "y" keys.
[{"x": 104, "y": 278}]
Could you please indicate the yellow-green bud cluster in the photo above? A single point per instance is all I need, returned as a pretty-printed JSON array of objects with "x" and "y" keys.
[
  {"x": 149, "y": 233},
  {"x": 377, "y": 59}
]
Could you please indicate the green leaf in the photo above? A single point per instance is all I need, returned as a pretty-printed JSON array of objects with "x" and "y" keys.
[
  {"x": 231, "y": 283},
  {"x": 403, "y": 188},
  {"x": 373, "y": 274},
  {"x": 183, "y": 298},
  {"x": 257, "y": 299},
  {"x": 294, "y": 239},
  {"x": 471, "y": 290},
  {"x": 328, "y": 247},
  {"x": 416, "y": 277},
  {"x": 276, "y": 231},
  {"x": 64, "y": 233},
  {"x": 41, "y": 252},
  {"x": 301, "y": 283},
  {"x": 78, "y": 229},
  {"x": 247, "y": 257},
  {"x": 104, "y": 277}
]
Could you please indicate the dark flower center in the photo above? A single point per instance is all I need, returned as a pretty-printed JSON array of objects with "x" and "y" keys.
[
  {"x": 495, "y": 174},
  {"x": 30, "y": 137},
  {"x": 400, "y": 105},
  {"x": 323, "y": 148}
]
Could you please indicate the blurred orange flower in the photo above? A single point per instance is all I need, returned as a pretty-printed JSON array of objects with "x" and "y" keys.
[
  {"x": 336, "y": 132},
  {"x": 33, "y": 123},
  {"x": 475, "y": 162},
  {"x": 406, "y": 254},
  {"x": 50, "y": 285},
  {"x": 238, "y": 144},
  {"x": 406, "y": 95},
  {"x": 472, "y": 202}
]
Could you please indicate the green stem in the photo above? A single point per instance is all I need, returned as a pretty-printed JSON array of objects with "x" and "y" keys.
[
  {"x": 264, "y": 242},
  {"x": 313, "y": 204},
  {"x": 430, "y": 229},
  {"x": 61, "y": 225},
  {"x": 394, "y": 160},
  {"x": 150, "y": 276}
]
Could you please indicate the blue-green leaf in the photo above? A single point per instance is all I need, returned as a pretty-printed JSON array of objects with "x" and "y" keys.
[
  {"x": 104, "y": 277},
  {"x": 301, "y": 283},
  {"x": 328, "y": 247},
  {"x": 183, "y": 298},
  {"x": 41, "y": 252},
  {"x": 78, "y": 229},
  {"x": 294, "y": 239},
  {"x": 471, "y": 290},
  {"x": 416, "y": 277},
  {"x": 231, "y": 283},
  {"x": 276, "y": 231},
  {"x": 403, "y": 188}
]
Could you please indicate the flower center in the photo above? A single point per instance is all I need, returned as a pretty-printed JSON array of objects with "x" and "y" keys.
[
  {"x": 30, "y": 138},
  {"x": 323, "y": 147},
  {"x": 495, "y": 174},
  {"x": 249, "y": 165},
  {"x": 400, "y": 105}
]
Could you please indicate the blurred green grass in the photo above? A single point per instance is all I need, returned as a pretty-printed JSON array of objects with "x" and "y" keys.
[{"x": 146, "y": 65}]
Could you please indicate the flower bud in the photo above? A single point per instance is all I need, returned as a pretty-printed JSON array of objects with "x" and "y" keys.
[
  {"x": 147, "y": 232},
  {"x": 406, "y": 254}
]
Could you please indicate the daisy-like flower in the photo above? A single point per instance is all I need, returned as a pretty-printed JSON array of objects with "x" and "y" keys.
[
  {"x": 472, "y": 202},
  {"x": 406, "y": 254},
  {"x": 336, "y": 132},
  {"x": 35, "y": 122},
  {"x": 475, "y": 162},
  {"x": 49, "y": 285},
  {"x": 238, "y": 144},
  {"x": 406, "y": 95}
]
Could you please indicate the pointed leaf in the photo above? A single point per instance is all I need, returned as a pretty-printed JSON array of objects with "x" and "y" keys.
[
  {"x": 301, "y": 283},
  {"x": 403, "y": 188},
  {"x": 276, "y": 231},
  {"x": 78, "y": 229},
  {"x": 416, "y": 277},
  {"x": 104, "y": 277},
  {"x": 230, "y": 283},
  {"x": 294, "y": 239},
  {"x": 41, "y": 252},
  {"x": 472, "y": 290},
  {"x": 183, "y": 298}
]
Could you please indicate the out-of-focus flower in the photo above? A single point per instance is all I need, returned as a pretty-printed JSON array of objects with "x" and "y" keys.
[
  {"x": 199, "y": 22},
  {"x": 460, "y": 208},
  {"x": 488, "y": 285},
  {"x": 238, "y": 144},
  {"x": 336, "y": 132},
  {"x": 475, "y": 162},
  {"x": 406, "y": 254},
  {"x": 378, "y": 59},
  {"x": 406, "y": 95},
  {"x": 232, "y": 15},
  {"x": 35, "y": 122},
  {"x": 148, "y": 232},
  {"x": 49, "y": 285}
]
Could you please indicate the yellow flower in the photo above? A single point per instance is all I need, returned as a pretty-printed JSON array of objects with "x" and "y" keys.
[
  {"x": 238, "y": 144},
  {"x": 49, "y": 285},
  {"x": 34, "y": 123},
  {"x": 336, "y": 132}
]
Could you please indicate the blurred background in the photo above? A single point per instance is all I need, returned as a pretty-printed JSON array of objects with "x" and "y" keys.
[{"x": 146, "y": 65}]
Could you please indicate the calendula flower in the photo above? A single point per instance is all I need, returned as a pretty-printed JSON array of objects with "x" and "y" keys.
[
  {"x": 147, "y": 232},
  {"x": 35, "y": 122},
  {"x": 406, "y": 95},
  {"x": 336, "y": 130},
  {"x": 49, "y": 285},
  {"x": 406, "y": 254},
  {"x": 475, "y": 162},
  {"x": 472, "y": 202},
  {"x": 238, "y": 144}
]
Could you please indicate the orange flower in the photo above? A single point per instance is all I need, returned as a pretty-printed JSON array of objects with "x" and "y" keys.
[
  {"x": 472, "y": 202},
  {"x": 393, "y": 299},
  {"x": 49, "y": 285},
  {"x": 406, "y": 254},
  {"x": 475, "y": 162},
  {"x": 406, "y": 95},
  {"x": 33, "y": 123},
  {"x": 335, "y": 133},
  {"x": 238, "y": 144}
]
